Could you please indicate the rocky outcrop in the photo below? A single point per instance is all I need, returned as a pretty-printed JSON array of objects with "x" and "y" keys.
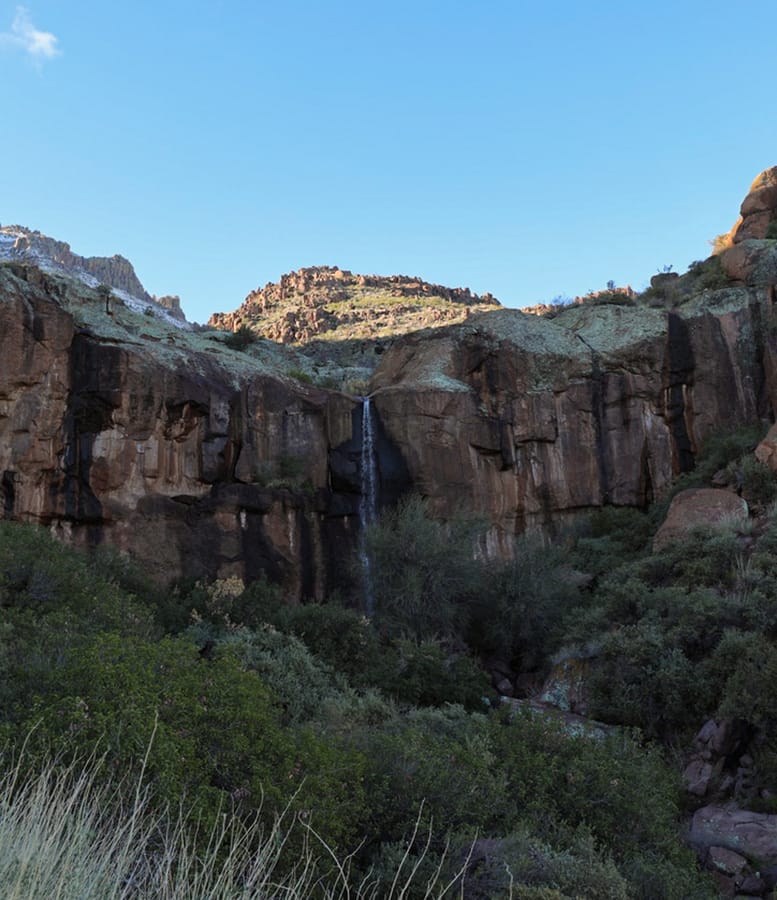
[
  {"x": 759, "y": 208},
  {"x": 24, "y": 245},
  {"x": 326, "y": 300},
  {"x": 195, "y": 459}
]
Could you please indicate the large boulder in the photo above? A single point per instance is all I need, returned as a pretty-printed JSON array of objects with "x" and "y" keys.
[
  {"x": 752, "y": 261},
  {"x": 698, "y": 506},
  {"x": 749, "y": 834},
  {"x": 759, "y": 208}
]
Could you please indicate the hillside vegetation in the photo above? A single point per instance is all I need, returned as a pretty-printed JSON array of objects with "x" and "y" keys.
[{"x": 385, "y": 738}]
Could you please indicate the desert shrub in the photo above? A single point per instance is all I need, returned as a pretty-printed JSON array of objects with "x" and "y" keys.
[
  {"x": 423, "y": 571},
  {"x": 341, "y": 637},
  {"x": 52, "y": 602},
  {"x": 518, "y": 611},
  {"x": 640, "y": 679},
  {"x": 427, "y": 673},
  {"x": 442, "y": 758},
  {"x": 705, "y": 557},
  {"x": 300, "y": 682},
  {"x": 723, "y": 447},
  {"x": 627, "y": 527},
  {"x": 107, "y": 563},
  {"x": 300, "y": 375},
  {"x": 759, "y": 483},
  {"x": 556, "y": 776},
  {"x": 241, "y": 338},
  {"x": 217, "y": 733},
  {"x": 709, "y": 274},
  {"x": 519, "y": 865},
  {"x": 651, "y": 876},
  {"x": 745, "y": 666}
]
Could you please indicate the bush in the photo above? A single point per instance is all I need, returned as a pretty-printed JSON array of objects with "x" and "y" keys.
[
  {"x": 52, "y": 603},
  {"x": 555, "y": 776},
  {"x": 241, "y": 338},
  {"x": 517, "y": 613},
  {"x": 423, "y": 571},
  {"x": 217, "y": 733}
]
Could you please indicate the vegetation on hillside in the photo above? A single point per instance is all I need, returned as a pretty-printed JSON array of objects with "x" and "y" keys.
[
  {"x": 218, "y": 701},
  {"x": 212, "y": 738}
]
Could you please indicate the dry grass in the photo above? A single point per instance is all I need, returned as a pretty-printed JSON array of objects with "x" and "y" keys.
[{"x": 66, "y": 834}]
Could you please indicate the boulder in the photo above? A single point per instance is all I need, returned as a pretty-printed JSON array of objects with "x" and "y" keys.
[
  {"x": 694, "y": 507},
  {"x": 750, "y": 834},
  {"x": 752, "y": 261},
  {"x": 766, "y": 451},
  {"x": 726, "y": 861}
]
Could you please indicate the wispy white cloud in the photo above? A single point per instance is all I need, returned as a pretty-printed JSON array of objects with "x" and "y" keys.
[{"x": 38, "y": 45}]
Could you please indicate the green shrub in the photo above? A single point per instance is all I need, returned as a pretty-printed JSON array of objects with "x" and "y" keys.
[
  {"x": 517, "y": 613},
  {"x": 759, "y": 483},
  {"x": 300, "y": 682},
  {"x": 52, "y": 602},
  {"x": 300, "y": 375},
  {"x": 427, "y": 673},
  {"x": 241, "y": 338},
  {"x": 217, "y": 733},
  {"x": 424, "y": 571},
  {"x": 556, "y": 776}
]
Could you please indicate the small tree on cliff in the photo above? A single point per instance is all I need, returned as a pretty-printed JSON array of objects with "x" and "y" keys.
[{"x": 105, "y": 293}]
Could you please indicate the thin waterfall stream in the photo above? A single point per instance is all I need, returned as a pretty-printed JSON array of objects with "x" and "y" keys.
[{"x": 368, "y": 503}]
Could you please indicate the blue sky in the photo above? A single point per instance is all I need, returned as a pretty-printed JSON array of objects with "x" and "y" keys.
[{"x": 523, "y": 148}]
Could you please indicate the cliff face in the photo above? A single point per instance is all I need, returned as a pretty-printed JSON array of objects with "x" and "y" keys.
[
  {"x": 23, "y": 245},
  {"x": 528, "y": 420},
  {"x": 196, "y": 460}
]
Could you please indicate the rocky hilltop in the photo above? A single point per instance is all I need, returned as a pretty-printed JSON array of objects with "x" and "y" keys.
[
  {"x": 199, "y": 458},
  {"x": 326, "y": 302}
]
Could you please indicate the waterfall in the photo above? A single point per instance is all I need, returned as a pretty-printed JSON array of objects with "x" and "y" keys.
[{"x": 368, "y": 502}]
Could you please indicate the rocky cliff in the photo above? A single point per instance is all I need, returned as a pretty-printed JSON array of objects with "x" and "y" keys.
[
  {"x": 200, "y": 459},
  {"x": 527, "y": 420},
  {"x": 197, "y": 459}
]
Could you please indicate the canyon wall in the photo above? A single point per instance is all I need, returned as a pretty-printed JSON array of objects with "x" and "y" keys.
[
  {"x": 529, "y": 421},
  {"x": 191, "y": 468},
  {"x": 203, "y": 461}
]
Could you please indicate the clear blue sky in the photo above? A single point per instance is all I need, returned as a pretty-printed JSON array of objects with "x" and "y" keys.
[{"x": 524, "y": 148}]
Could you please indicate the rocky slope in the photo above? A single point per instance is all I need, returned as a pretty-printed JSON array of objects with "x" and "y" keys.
[
  {"x": 200, "y": 459},
  {"x": 331, "y": 303}
]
